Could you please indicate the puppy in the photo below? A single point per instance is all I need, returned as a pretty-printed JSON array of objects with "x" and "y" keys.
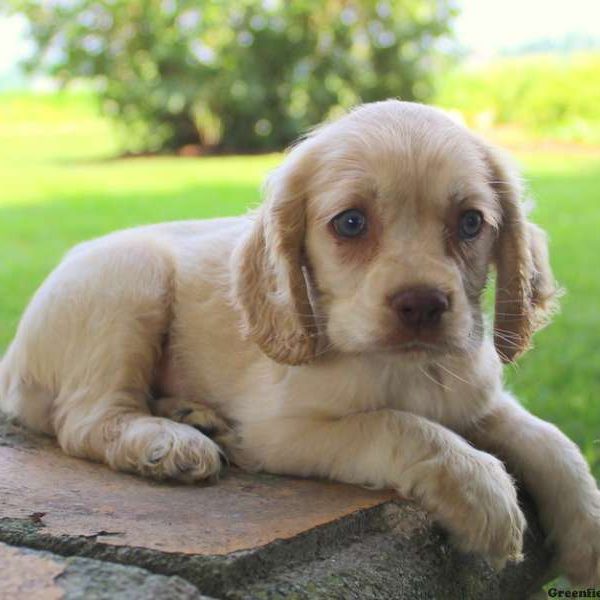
[{"x": 338, "y": 332}]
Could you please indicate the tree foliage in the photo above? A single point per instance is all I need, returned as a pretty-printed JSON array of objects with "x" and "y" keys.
[{"x": 237, "y": 74}]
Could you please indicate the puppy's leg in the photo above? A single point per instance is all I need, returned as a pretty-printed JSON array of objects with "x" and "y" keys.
[
  {"x": 90, "y": 341},
  {"x": 468, "y": 491},
  {"x": 557, "y": 476},
  {"x": 119, "y": 431}
]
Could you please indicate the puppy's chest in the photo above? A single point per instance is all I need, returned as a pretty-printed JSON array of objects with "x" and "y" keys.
[
  {"x": 438, "y": 395},
  {"x": 348, "y": 389},
  {"x": 453, "y": 406}
]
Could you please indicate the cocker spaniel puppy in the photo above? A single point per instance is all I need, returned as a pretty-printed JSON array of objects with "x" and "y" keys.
[{"x": 338, "y": 332}]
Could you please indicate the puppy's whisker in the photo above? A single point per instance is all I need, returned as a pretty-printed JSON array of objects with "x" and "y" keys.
[
  {"x": 507, "y": 332},
  {"x": 510, "y": 343},
  {"x": 509, "y": 335},
  {"x": 326, "y": 349},
  {"x": 450, "y": 372},
  {"x": 503, "y": 356},
  {"x": 433, "y": 380}
]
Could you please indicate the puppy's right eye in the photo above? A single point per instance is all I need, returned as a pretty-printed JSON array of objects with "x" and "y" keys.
[
  {"x": 350, "y": 223},
  {"x": 470, "y": 224}
]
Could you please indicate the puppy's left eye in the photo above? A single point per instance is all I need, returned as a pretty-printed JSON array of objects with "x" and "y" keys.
[
  {"x": 350, "y": 224},
  {"x": 470, "y": 224}
]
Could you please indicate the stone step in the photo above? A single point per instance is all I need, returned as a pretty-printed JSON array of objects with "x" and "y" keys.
[
  {"x": 37, "y": 575},
  {"x": 246, "y": 536}
]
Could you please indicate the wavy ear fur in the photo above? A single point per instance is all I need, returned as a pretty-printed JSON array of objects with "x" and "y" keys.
[
  {"x": 269, "y": 283},
  {"x": 526, "y": 292}
]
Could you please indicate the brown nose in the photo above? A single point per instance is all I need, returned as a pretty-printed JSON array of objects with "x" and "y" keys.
[{"x": 420, "y": 307}]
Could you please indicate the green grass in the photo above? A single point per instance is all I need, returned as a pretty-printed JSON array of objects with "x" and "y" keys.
[
  {"x": 58, "y": 187},
  {"x": 560, "y": 379}
]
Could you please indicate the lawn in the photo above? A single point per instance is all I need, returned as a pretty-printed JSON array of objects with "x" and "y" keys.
[{"x": 58, "y": 185}]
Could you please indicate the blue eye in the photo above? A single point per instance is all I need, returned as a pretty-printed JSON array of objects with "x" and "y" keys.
[
  {"x": 349, "y": 224},
  {"x": 470, "y": 224}
]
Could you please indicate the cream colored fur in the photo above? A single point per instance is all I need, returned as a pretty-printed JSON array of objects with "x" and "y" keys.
[{"x": 280, "y": 341}]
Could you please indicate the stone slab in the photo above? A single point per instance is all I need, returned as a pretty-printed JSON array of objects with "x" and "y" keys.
[
  {"x": 33, "y": 575},
  {"x": 248, "y": 536},
  {"x": 79, "y": 498}
]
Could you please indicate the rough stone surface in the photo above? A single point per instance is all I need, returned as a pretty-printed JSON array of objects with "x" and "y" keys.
[
  {"x": 245, "y": 537},
  {"x": 79, "y": 498},
  {"x": 34, "y": 575}
]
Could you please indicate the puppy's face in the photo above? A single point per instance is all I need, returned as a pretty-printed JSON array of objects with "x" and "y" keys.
[
  {"x": 377, "y": 235},
  {"x": 400, "y": 232}
]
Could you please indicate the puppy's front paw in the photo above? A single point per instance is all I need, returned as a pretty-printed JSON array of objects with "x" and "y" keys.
[
  {"x": 477, "y": 502},
  {"x": 578, "y": 545},
  {"x": 162, "y": 449}
]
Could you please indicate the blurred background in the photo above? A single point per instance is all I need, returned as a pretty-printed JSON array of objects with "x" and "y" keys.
[{"x": 115, "y": 113}]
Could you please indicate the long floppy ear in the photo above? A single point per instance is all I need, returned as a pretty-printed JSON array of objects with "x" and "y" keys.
[
  {"x": 269, "y": 285},
  {"x": 526, "y": 292}
]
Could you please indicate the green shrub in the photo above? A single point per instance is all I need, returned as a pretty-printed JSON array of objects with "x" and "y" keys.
[
  {"x": 237, "y": 74},
  {"x": 552, "y": 95}
]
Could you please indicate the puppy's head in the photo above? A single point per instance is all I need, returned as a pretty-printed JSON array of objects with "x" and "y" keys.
[{"x": 377, "y": 234}]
